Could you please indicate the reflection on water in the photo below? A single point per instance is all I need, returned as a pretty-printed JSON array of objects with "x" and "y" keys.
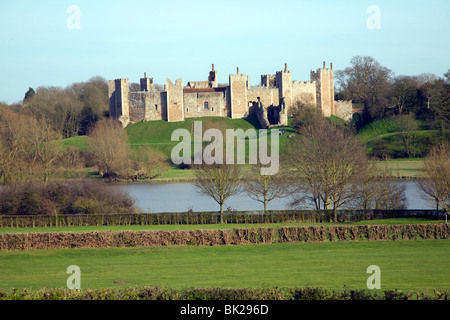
[{"x": 181, "y": 197}]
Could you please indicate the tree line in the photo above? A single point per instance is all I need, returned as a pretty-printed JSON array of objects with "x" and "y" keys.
[
  {"x": 32, "y": 149},
  {"x": 381, "y": 93},
  {"x": 70, "y": 110}
]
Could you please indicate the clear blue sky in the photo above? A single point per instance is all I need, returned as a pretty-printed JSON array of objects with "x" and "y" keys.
[{"x": 172, "y": 39}]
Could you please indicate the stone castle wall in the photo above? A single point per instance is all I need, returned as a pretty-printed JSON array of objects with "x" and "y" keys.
[
  {"x": 305, "y": 91},
  {"x": 205, "y": 103},
  {"x": 271, "y": 100},
  {"x": 267, "y": 96},
  {"x": 145, "y": 106}
]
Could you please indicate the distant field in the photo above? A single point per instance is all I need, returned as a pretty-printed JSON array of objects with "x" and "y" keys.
[
  {"x": 411, "y": 168},
  {"x": 418, "y": 265}
]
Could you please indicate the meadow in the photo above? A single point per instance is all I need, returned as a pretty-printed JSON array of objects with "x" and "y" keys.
[
  {"x": 417, "y": 265},
  {"x": 406, "y": 265}
]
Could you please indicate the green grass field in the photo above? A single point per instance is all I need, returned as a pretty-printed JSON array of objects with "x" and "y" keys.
[
  {"x": 378, "y": 128},
  {"x": 76, "y": 142},
  {"x": 411, "y": 168},
  {"x": 158, "y": 134},
  {"x": 172, "y": 227},
  {"x": 418, "y": 265}
]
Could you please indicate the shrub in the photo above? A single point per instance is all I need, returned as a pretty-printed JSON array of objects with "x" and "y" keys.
[
  {"x": 79, "y": 197},
  {"x": 266, "y": 293},
  {"x": 236, "y": 236}
]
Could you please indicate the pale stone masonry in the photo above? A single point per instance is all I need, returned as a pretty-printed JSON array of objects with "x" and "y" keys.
[{"x": 270, "y": 101}]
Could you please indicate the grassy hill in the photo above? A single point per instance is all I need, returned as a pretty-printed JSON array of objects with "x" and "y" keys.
[
  {"x": 385, "y": 133},
  {"x": 158, "y": 133},
  {"x": 386, "y": 136}
]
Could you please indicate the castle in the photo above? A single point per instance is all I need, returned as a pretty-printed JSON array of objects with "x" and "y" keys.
[{"x": 270, "y": 101}]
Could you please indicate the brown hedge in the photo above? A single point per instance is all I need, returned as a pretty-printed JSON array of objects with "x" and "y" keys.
[{"x": 237, "y": 236}]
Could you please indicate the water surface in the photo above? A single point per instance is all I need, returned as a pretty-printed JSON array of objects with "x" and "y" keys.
[{"x": 181, "y": 197}]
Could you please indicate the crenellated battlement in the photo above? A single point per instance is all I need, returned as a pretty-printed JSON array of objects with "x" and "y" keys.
[{"x": 277, "y": 93}]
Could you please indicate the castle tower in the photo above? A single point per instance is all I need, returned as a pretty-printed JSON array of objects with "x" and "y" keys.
[
  {"x": 213, "y": 78},
  {"x": 118, "y": 93},
  {"x": 268, "y": 80},
  {"x": 238, "y": 95},
  {"x": 283, "y": 80},
  {"x": 324, "y": 89},
  {"x": 146, "y": 83},
  {"x": 174, "y": 96}
]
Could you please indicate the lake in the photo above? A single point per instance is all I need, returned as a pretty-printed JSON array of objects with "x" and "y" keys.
[{"x": 181, "y": 197}]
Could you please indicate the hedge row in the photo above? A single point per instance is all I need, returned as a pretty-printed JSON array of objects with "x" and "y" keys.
[
  {"x": 363, "y": 232},
  {"x": 60, "y": 240},
  {"x": 278, "y": 216},
  {"x": 159, "y": 293},
  {"x": 236, "y": 236},
  {"x": 175, "y": 218}
]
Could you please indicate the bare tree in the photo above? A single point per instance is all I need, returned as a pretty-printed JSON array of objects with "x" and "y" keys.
[
  {"x": 48, "y": 149},
  {"x": 306, "y": 115},
  {"x": 93, "y": 94},
  {"x": 60, "y": 107},
  {"x": 429, "y": 87},
  {"x": 29, "y": 148},
  {"x": 435, "y": 187},
  {"x": 107, "y": 144},
  {"x": 16, "y": 144},
  {"x": 404, "y": 91},
  {"x": 408, "y": 125},
  {"x": 219, "y": 181},
  {"x": 377, "y": 188},
  {"x": 365, "y": 188},
  {"x": 390, "y": 194},
  {"x": 367, "y": 82},
  {"x": 328, "y": 160},
  {"x": 264, "y": 188},
  {"x": 149, "y": 162}
]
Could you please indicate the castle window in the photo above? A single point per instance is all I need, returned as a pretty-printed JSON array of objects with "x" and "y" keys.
[
  {"x": 156, "y": 107},
  {"x": 187, "y": 109},
  {"x": 206, "y": 105},
  {"x": 212, "y": 109}
]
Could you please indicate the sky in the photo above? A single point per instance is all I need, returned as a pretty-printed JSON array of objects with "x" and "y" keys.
[{"x": 57, "y": 42}]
